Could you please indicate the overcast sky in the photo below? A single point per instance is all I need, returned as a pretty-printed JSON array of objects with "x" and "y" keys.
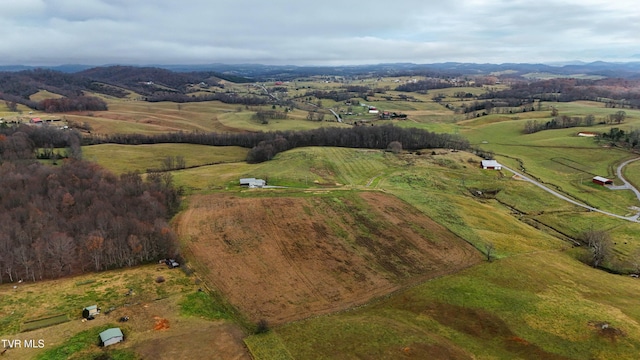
[{"x": 326, "y": 32}]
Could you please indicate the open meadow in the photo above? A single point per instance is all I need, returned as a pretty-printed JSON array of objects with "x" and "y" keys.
[{"x": 141, "y": 158}]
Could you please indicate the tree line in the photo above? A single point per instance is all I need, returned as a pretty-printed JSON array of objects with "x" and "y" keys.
[
  {"x": 80, "y": 103},
  {"x": 370, "y": 137},
  {"x": 424, "y": 85},
  {"x": 558, "y": 122},
  {"x": 263, "y": 116},
  {"x": 618, "y": 137},
  {"x": 225, "y": 97},
  {"x": 264, "y": 145},
  {"x": 66, "y": 104},
  {"x": 488, "y": 107},
  {"x": 78, "y": 217},
  {"x": 613, "y": 92},
  {"x": 565, "y": 121},
  {"x": 20, "y": 142}
]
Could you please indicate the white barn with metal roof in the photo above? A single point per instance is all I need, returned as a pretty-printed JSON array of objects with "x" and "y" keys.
[
  {"x": 252, "y": 182},
  {"x": 491, "y": 164}
]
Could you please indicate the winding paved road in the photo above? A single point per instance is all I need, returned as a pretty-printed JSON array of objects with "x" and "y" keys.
[
  {"x": 633, "y": 218},
  {"x": 627, "y": 185},
  {"x": 336, "y": 115}
]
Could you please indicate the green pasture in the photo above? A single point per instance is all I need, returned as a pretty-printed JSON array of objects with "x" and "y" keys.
[
  {"x": 297, "y": 121},
  {"x": 631, "y": 172},
  {"x": 214, "y": 177},
  {"x": 328, "y": 103},
  {"x": 428, "y": 97},
  {"x": 536, "y": 306},
  {"x": 470, "y": 123},
  {"x": 200, "y": 304},
  {"x": 446, "y": 197},
  {"x": 126, "y": 158},
  {"x": 43, "y": 95},
  {"x": 297, "y": 168},
  {"x": 571, "y": 171},
  {"x": 558, "y": 158},
  {"x": 624, "y": 234},
  {"x": 583, "y": 108},
  {"x": 429, "y": 123}
]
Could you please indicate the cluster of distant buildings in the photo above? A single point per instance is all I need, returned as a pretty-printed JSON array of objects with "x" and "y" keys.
[
  {"x": 32, "y": 121},
  {"x": 494, "y": 165},
  {"x": 40, "y": 121}
]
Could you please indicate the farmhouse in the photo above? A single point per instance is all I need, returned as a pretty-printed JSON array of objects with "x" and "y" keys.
[
  {"x": 252, "y": 183},
  {"x": 491, "y": 165},
  {"x": 373, "y": 110},
  {"x": 90, "y": 311},
  {"x": 602, "y": 180},
  {"x": 111, "y": 336},
  {"x": 36, "y": 120}
]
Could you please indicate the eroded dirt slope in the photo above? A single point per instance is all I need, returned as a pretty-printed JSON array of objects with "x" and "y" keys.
[{"x": 288, "y": 258}]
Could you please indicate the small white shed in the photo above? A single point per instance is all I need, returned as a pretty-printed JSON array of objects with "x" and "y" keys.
[
  {"x": 111, "y": 336},
  {"x": 90, "y": 311}
]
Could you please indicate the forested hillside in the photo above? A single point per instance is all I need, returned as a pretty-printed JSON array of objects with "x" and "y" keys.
[{"x": 78, "y": 217}]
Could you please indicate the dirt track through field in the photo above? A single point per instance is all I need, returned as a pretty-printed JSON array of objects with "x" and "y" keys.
[{"x": 284, "y": 259}]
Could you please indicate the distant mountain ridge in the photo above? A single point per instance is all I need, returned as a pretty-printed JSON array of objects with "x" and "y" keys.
[
  {"x": 176, "y": 82},
  {"x": 260, "y": 71}
]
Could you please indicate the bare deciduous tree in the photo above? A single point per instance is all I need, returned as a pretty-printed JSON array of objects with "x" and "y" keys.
[
  {"x": 589, "y": 120},
  {"x": 599, "y": 243},
  {"x": 12, "y": 106}
]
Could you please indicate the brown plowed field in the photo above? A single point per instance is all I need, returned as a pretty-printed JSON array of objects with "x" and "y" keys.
[{"x": 288, "y": 258}]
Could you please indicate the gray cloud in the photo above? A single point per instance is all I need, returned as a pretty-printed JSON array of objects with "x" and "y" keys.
[{"x": 48, "y": 32}]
